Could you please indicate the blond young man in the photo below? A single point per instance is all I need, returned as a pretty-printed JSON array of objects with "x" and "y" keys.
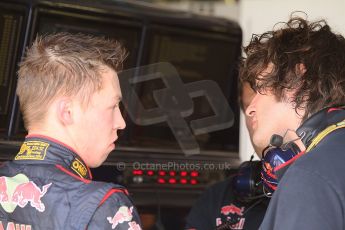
[{"x": 69, "y": 95}]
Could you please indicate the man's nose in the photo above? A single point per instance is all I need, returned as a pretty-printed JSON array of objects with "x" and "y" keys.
[
  {"x": 250, "y": 111},
  {"x": 119, "y": 122}
]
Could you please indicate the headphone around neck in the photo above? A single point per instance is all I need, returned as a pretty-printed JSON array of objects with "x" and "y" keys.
[{"x": 277, "y": 157}]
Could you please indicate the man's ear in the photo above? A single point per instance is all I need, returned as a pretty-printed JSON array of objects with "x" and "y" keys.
[{"x": 65, "y": 111}]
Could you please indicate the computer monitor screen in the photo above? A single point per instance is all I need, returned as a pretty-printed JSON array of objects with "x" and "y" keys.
[
  {"x": 11, "y": 38},
  {"x": 196, "y": 56}
]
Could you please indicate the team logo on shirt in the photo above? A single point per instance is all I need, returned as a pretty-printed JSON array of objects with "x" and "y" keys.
[
  {"x": 225, "y": 210},
  {"x": 134, "y": 226},
  {"x": 231, "y": 213},
  {"x": 32, "y": 150},
  {"x": 123, "y": 214},
  {"x": 20, "y": 191},
  {"x": 14, "y": 226},
  {"x": 79, "y": 167}
]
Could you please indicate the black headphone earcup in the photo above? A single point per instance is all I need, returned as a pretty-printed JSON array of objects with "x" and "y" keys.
[{"x": 245, "y": 181}]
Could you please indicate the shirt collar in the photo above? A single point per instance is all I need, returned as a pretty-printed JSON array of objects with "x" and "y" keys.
[{"x": 38, "y": 149}]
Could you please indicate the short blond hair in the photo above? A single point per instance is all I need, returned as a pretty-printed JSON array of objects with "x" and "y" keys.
[{"x": 63, "y": 64}]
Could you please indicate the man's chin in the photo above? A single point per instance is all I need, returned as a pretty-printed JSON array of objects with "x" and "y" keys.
[
  {"x": 259, "y": 143},
  {"x": 97, "y": 164}
]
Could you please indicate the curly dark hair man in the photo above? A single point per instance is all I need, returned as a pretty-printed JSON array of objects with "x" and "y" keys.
[
  {"x": 297, "y": 71},
  {"x": 321, "y": 82}
]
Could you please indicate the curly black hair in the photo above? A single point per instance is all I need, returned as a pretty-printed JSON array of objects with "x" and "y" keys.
[{"x": 302, "y": 57}]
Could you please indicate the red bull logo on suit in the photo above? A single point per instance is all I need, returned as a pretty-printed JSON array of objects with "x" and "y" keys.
[
  {"x": 3, "y": 190},
  {"x": 14, "y": 226},
  {"x": 124, "y": 214},
  {"x": 134, "y": 226},
  {"x": 20, "y": 191}
]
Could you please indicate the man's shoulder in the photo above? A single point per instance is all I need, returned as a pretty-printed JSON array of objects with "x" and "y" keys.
[
  {"x": 322, "y": 166},
  {"x": 326, "y": 159},
  {"x": 214, "y": 196},
  {"x": 61, "y": 178},
  {"x": 215, "y": 193},
  {"x": 206, "y": 209},
  {"x": 220, "y": 187},
  {"x": 115, "y": 193},
  {"x": 116, "y": 209}
]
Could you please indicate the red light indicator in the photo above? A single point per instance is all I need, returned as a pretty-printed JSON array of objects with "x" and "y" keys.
[
  {"x": 193, "y": 181},
  {"x": 161, "y": 173},
  {"x": 150, "y": 173},
  {"x": 137, "y": 172},
  {"x": 161, "y": 181},
  {"x": 172, "y": 173},
  {"x": 194, "y": 174},
  {"x": 172, "y": 181},
  {"x": 183, "y": 173},
  {"x": 183, "y": 181}
]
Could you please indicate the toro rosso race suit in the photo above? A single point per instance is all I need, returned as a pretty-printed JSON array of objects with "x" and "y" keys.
[{"x": 47, "y": 186}]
